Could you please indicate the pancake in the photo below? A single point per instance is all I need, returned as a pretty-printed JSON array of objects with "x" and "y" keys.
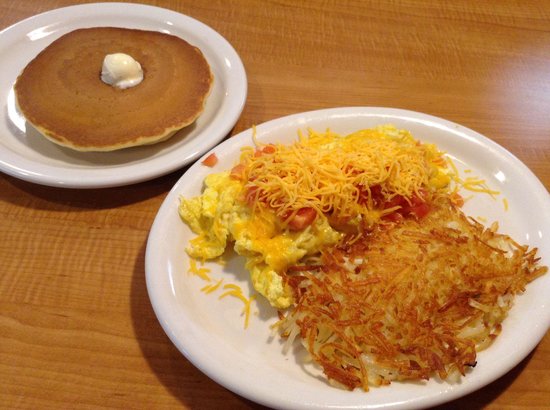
[{"x": 60, "y": 92}]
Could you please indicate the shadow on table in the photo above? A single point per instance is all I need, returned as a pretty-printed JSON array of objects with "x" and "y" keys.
[
  {"x": 76, "y": 200},
  {"x": 184, "y": 381}
]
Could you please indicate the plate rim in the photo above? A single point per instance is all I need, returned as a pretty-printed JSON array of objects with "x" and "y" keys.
[
  {"x": 169, "y": 204},
  {"x": 231, "y": 104}
]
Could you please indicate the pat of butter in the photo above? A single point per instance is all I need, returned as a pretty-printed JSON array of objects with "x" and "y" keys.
[{"x": 121, "y": 70}]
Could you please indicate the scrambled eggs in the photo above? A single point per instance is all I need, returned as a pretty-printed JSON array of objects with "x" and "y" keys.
[
  {"x": 318, "y": 182},
  {"x": 220, "y": 217}
]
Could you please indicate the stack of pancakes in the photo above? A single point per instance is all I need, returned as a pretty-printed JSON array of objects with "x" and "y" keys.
[{"x": 62, "y": 95}]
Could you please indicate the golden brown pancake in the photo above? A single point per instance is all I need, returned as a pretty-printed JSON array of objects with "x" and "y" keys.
[{"x": 61, "y": 93}]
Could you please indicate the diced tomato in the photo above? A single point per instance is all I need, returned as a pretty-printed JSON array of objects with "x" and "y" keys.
[
  {"x": 417, "y": 207},
  {"x": 251, "y": 195},
  {"x": 372, "y": 195},
  {"x": 420, "y": 210},
  {"x": 397, "y": 200},
  {"x": 303, "y": 218},
  {"x": 393, "y": 217},
  {"x": 268, "y": 149},
  {"x": 210, "y": 160},
  {"x": 341, "y": 223},
  {"x": 376, "y": 193},
  {"x": 237, "y": 172}
]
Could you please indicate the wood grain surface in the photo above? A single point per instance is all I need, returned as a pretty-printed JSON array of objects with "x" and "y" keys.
[{"x": 76, "y": 326}]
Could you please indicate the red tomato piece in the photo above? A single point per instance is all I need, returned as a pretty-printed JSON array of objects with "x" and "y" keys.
[
  {"x": 237, "y": 172},
  {"x": 394, "y": 217},
  {"x": 418, "y": 207},
  {"x": 397, "y": 200},
  {"x": 269, "y": 149},
  {"x": 210, "y": 160},
  {"x": 303, "y": 218},
  {"x": 251, "y": 195},
  {"x": 420, "y": 210}
]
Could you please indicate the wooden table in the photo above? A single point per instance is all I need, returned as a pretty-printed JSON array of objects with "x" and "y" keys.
[{"x": 76, "y": 325}]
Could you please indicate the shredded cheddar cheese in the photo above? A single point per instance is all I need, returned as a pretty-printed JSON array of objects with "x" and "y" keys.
[
  {"x": 236, "y": 292},
  {"x": 472, "y": 184},
  {"x": 231, "y": 289},
  {"x": 200, "y": 272},
  {"x": 331, "y": 173},
  {"x": 211, "y": 288}
]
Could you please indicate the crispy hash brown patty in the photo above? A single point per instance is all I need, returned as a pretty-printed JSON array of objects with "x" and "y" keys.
[{"x": 408, "y": 301}]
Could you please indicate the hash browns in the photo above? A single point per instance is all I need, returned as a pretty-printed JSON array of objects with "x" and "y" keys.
[{"x": 408, "y": 301}]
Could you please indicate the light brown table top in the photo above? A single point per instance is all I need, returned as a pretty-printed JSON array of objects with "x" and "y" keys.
[{"x": 76, "y": 325}]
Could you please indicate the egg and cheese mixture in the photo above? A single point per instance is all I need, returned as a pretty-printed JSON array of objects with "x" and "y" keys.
[
  {"x": 221, "y": 218},
  {"x": 282, "y": 204}
]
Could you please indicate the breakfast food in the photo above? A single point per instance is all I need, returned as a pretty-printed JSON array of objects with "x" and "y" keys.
[
  {"x": 107, "y": 88},
  {"x": 408, "y": 302},
  {"x": 281, "y": 204},
  {"x": 220, "y": 218},
  {"x": 360, "y": 243}
]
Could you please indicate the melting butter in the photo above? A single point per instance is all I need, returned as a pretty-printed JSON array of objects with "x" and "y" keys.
[{"x": 121, "y": 70}]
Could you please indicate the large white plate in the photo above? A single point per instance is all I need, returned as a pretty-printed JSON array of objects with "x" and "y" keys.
[
  {"x": 209, "y": 331},
  {"x": 27, "y": 155}
]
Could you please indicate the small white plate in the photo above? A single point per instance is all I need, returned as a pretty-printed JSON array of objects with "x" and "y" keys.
[
  {"x": 27, "y": 155},
  {"x": 209, "y": 331}
]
